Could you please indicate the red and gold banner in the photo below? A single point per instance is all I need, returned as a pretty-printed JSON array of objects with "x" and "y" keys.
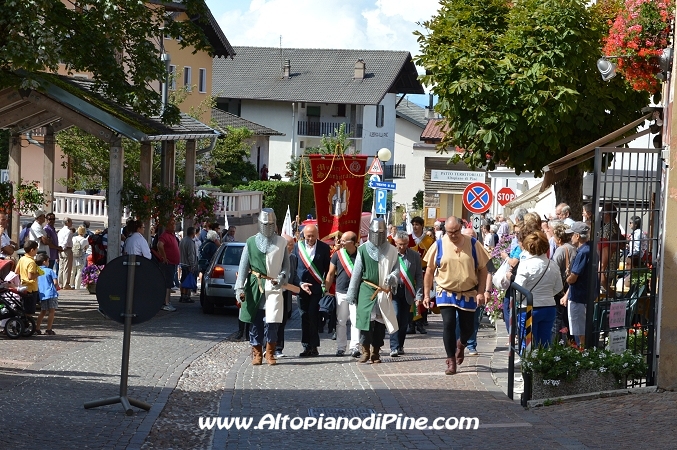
[{"x": 339, "y": 191}]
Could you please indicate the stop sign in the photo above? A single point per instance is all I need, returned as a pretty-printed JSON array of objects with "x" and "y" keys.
[{"x": 505, "y": 196}]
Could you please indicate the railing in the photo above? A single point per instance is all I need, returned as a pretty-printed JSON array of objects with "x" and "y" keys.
[
  {"x": 95, "y": 208},
  {"x": 306, "y": 128},
  {"x": 238, "y": 204},
  {"x": 394, "y": 171}
]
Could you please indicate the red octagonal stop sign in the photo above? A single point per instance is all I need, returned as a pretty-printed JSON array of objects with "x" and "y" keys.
[{"x": 505, "y": 196}]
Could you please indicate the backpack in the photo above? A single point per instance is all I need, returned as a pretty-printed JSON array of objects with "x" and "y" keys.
[
  {"x": 77, "y": 248},
  {"x": 99, "y": 251}
]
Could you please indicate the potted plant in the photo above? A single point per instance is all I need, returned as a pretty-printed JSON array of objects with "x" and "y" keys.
[
  {"x": 637, "y": 37},
  {"x": 567, "y": 370},
  {"x": 90, "y": 275}
]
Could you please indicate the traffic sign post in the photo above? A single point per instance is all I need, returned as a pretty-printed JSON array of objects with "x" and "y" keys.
[
  {"x": 381, "y": 201},
  {"x": 505, "y": 195},
  {"x": 376, "y": 167},
  {"x": 477, "y": 198},
  {"x": 476, "y": 221}
]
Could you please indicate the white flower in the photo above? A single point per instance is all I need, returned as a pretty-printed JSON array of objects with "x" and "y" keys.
[
  {"x": 585, "y": 354},
  {"x": 557, "y": 358},
  {"x": 578, "y": 363},
  {"x": 561, "y": 342},
  {"x": 602, "y": 369},
  {"x": 625, "y": 365}
]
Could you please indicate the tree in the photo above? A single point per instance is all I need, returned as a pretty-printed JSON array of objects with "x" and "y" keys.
[
  {"x": 116, "y": 40},
  {"x": 231, "y": 159},
  {"x": 518, "y": 84},
  {"x": 417, "y": 201}
]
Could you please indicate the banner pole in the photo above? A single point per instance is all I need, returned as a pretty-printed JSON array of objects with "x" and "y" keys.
[{"x": 298, "y": 208}]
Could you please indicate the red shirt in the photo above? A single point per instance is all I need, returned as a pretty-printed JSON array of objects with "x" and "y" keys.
[{"x": 171, "y": 247}]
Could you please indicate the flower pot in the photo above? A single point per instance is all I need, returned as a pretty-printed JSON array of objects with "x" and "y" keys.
[
  {"x": 91, "y": 287},
  {"x": 587, "y": 381}
]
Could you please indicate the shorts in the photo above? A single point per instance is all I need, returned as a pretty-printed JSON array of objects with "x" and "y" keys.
[
  {"x": 576, "y": 312},
  {"x": 168, "y": 270},
  {"x": 30, "y": 300},
  {"x": 49, "y": 303}
]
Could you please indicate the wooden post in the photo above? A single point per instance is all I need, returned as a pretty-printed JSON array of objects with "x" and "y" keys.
[
  {"x": 146, "y": 176},
  {"x": 189, "y": 180},
  {"x": 114, "y": 200},
  {"x": 48, "y": 169},
  {"x": 170, "y": 163},
  {"x": 14, "y": 167}
]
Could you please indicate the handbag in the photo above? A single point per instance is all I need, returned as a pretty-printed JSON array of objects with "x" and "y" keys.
[
  {"x": 499, "y": 275},
  {"x": 189, "y": 282}
]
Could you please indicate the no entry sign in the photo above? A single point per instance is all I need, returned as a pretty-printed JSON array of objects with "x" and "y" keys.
[
  {"x": 477, "y": 198},
  {"x": 505, "y": 195}
]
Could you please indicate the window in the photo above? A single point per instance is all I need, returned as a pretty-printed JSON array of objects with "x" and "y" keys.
[
  {"x": 172, "y": 77},
  {"x": 341, "y": 111},
  {"x": 302, "y": 144},
  {"x": 313, "y": 111},
  {"x": 303, "y": 105},
  {"x": 187, "y": 78},
  {"x": 380, "y": 112},
  {"x": 202, "y": 82}
]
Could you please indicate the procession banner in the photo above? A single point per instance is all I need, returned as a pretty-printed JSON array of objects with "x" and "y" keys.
[{"x": 338, "y": 187}]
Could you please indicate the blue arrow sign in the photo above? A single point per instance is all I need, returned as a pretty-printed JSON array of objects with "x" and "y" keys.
[
  {"x": 381, "y": 201},
  {"x": 382, "y": 185}
]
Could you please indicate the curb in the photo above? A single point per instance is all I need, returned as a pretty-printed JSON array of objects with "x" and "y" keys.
[{"x": 591, "y": 396}]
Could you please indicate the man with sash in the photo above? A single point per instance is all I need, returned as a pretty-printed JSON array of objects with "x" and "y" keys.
[
  {"x": 341, "y": 270},
  {"x": 374, "y": 280},
  {"x": 458, "y": 264},
  {"x": 409, "y": 290},
  {"x": 314, "y": 259},
  {"x": 420, "y": 243},
  {"x": 263, "y": 270}
]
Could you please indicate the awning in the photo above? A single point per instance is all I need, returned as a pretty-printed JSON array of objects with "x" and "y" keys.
[{"x": 556, "y": 171}]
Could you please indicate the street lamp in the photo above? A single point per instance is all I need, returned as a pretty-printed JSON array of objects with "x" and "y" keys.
[{"x": 384, "y": 154}]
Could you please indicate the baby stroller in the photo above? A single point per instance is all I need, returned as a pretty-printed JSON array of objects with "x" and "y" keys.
[{"x": 15, "y": 321}]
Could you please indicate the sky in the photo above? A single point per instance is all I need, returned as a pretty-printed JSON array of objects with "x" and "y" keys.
[{"x": 351, "y": 24}]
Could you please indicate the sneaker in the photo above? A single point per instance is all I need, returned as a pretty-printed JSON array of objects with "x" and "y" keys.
[
  {"x": 333, "y": 336},
  {"x": 472, "y": 351},
  {"x": 340, "y": 352},
  {"x": 400, "y": 350},
  {"x": 278, "y": 354},
  {"x": 394, "y": 353},
  {"x": 355, "y": 353},
  {"x": 168, "y": 308}
]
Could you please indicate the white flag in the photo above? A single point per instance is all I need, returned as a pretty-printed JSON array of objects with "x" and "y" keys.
[
  {"x": 225, "y": 218},
  {"x": 410, "y": 227},
  {"x": 373, "y": 213},
  {"x": 286, "y": 226}
]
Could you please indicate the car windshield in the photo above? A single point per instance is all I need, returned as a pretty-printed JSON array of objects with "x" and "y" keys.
[{"x": 231, "y": 255}]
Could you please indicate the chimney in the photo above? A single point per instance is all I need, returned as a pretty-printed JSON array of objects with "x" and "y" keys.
[
  {"x": 430, "y": 110},
  {"x": 286, "y": 69},
  {"x": 360, "y": 68}
]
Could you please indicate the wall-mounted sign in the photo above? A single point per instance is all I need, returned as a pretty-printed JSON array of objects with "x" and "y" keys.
[{"x": 457, "y": 176}]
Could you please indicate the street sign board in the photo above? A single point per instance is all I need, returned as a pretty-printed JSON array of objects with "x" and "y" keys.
[
  {"x": 382, "y": 185},
  {"x": 381, "y": 201},
  {"x": 505, "y": 195},
  {"x": 376, "y": 167},
  {"x": 4, "y": 176},
  {"x": 476, "y": 221},
  {"x": 375, "y": 178},
  {"x": 477, "y": 198}
]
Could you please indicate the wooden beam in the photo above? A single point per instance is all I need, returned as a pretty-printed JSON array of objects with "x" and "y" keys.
[
  {"x": 114, "y": 198},
  {"x": 77, "y": 119},
  {"x": 189, "y": 179},
  {"x": 48, "y": 168},
  {"x": 146, "y": 175},
  {"x": 62, "y": 125},
  {"x": 39, "y": 120},
  {"x": 170, "y": 163},
  {"x": 10, "y": 98},
  {"x": 18, "y": 113},
  {"x": 14, "y": 167}
]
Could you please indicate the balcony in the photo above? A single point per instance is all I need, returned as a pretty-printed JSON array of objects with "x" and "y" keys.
[
  {"x": 394, "y": 171},
  {"x": 306, "y": 128}
]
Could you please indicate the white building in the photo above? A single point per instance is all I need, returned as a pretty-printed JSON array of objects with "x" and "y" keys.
[{"x": 308, "y": 93}]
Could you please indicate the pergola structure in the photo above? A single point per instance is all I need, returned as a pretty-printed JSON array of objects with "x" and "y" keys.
[{"x": 59, "y": 102}]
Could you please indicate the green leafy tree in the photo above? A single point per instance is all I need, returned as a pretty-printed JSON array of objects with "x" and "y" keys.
[
  {"x": 518, "y": 85},
  {"x": 417, "y": 201},
  {"x": 231, "y": 159},
  {"x": 116, "y": 40}
]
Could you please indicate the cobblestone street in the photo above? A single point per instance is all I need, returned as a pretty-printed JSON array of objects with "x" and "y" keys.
[{"x": 185, "y": 366}]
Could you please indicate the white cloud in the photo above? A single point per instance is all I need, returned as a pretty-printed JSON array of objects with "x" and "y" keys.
[{"x": 366, "y": 24}]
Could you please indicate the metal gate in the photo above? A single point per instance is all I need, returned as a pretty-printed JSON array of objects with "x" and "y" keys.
[{"x": 621, "y": 311}]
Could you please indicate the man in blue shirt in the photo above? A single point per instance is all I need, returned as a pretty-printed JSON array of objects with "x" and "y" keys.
[{"x": 579, "y": 281}]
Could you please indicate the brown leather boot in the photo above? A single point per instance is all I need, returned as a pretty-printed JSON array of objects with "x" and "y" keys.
[
  {"x": 375, "y": 356},
  {"x": 257, "y": 355},
  {"x": 270, "y": 353},
  {"x": 366, "y": 354},
  {"x": 451, "y": 366},
  {"x": 459, "y": 352}
]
